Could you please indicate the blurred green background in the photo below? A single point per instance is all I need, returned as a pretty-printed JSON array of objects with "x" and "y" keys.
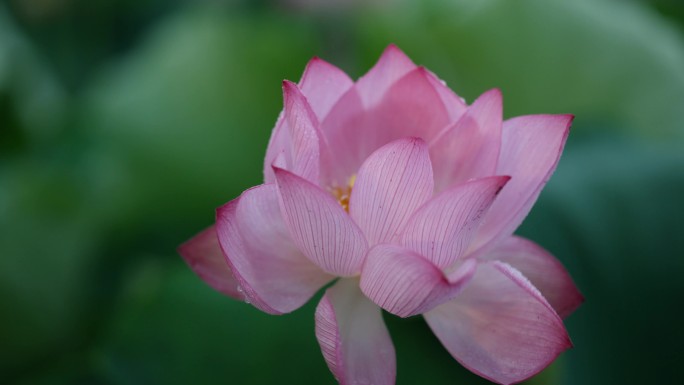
[{"x": 124, "y": 124}]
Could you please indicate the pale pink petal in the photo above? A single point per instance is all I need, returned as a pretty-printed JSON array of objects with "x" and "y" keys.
[
  {"x": 500, "y": 326},
  {"x": 442, "y": 229},
  {"x": 323, "y": 84},
  {"x": 411, "y": 107},
  {"x": 393, "y": 182},
  {"x": 320, "y": 227},
  {"x": 530, "y": 149},
  {"x": 470, "y": 148},
  {"x": 405, "y": 283},
  {"x": 454, "y": 104},
  {"x": 307, "y": 146},
  {"x": 204, "y": 256},
  {"x": 353, "y": 337},
  {"x": 273, "y": 274},
  {"x": 278, "y": 146},
  {"x": 542, "y": 269},
  {"x": 392, "y": 65}
]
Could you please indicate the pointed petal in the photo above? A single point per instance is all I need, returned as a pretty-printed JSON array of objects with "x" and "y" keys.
[
  {"x": 405, "y": 283},
  {"x": 530, "y": 149},
  {"x": 272, "y": 272},
  {"x": 204, "y": 256},
  {"x": 323, "y": 84},
  {"x": 320, "y": 227},
  {"x": 278, "y": 146},
  {"x": 470, "y": 148},
  {"x": 393, "y": 182},
  {"x": 392, "y": 65},
  {"x": 442, "y": 229},
  {"x": 454, "y": 104},
  {"x": 500, "y": 326},
  {"x": 308, "y": 147},
  {"x": 543, "y": 270},
  {"x": 353, "y": 337},
  {"x": 410, "y": 107}
]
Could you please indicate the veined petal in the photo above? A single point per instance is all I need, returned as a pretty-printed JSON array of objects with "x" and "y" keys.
[
  {"x": 323, "y": 84},
  {"x": 530, "y": 149},
  {"x": 308, "y": 146},
  {"x": 455, "y": 106},
  {"x": 404, "y": 283},
  {"x": 320, "y": 227},
  {"x": 353, "y": 337},
  {"x": 393, "y": 182},
  {"x": 543, "y": 270},
  {"x": 273, "y": 274},
  {"x": 392, "y": 65},
  {"x": 441, "y": 230},
  {"x": 204, "y": 256},
  {"x": 500, "y": 326},
  {"x": 470, "y": 148}
]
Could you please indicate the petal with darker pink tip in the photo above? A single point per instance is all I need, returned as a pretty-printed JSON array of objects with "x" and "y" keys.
[
  {"x": 320, "y": 227},
  {"x": 307, "y": 145},
  {"x": 353, "y": 337},
  {"x": 470, "y": 148},
  {"x": 530, "y": 149},
  {"x": 500, "y": 326},
  {"x": 204, "y": 256},
  {"x": 441, "y": 230},
  {"x": 392, "y": 65},
  {"x": 271, "y": 271},
  {"x": 405, "y": 283},
  {"x": 323, "y": 84},
  {"x": 392, "y": 183},
  {"x": 542, "y": 269}
]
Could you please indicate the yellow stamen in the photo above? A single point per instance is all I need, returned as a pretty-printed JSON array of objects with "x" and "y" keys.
[{"x": 342, "y": 194}]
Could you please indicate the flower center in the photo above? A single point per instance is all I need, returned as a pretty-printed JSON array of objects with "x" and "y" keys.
[{"x": 342, "y": 193}]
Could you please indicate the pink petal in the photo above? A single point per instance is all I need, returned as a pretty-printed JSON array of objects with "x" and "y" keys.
[
  {"x": 530, "y": 149},
  {"x": 353, "y": 337},
  {"x": 500, "y": 326},
  {"x": 320, "y": 227},
  {"x": 470, "y": 148},
  {"x": 307, "y": 148},
  {"x": 411, "y": 107},
  {"x": 455, "y": 106},
  {"x": 543, "y": 270},
  {"x": 323, "y": 84},
  {"x": 271, "y": 271},
  {"x": 393, "y": 182},
  {"x": 405, "y": 283},
  {"x": 392, "y": 65},
  {"x": 442, "y": 229},
  {"x": 204, "y": 256}
]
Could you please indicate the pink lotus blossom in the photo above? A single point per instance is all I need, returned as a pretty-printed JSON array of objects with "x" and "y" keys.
[{"x": 409, "y": 198}]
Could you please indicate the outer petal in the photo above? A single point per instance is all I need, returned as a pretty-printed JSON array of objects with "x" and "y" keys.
[
  {"x": 470, "y": 148},
  {"x": 530, "y": 149},
  {"x": 404, "y": 283},
  {"x": 353, "y": 337},
  {"x": 204, "y": 256},
  {"x": 392, "y": 65},
  {"x": 307, "y": 144},
  {"x": 453, "y": 103},
  {"x": 442, "y": 229},
  {"x": 500, "y": 326},
  {"x": 320, "y": 227},
  {"x": 323, "y": 84},
  {"x": 542, "y": 269},
  {"x": 271, "y": 271},
  {"x": 392, "y": 183}
]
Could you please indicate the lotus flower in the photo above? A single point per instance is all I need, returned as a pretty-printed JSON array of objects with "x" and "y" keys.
[{"x": 408, "y": 197}]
